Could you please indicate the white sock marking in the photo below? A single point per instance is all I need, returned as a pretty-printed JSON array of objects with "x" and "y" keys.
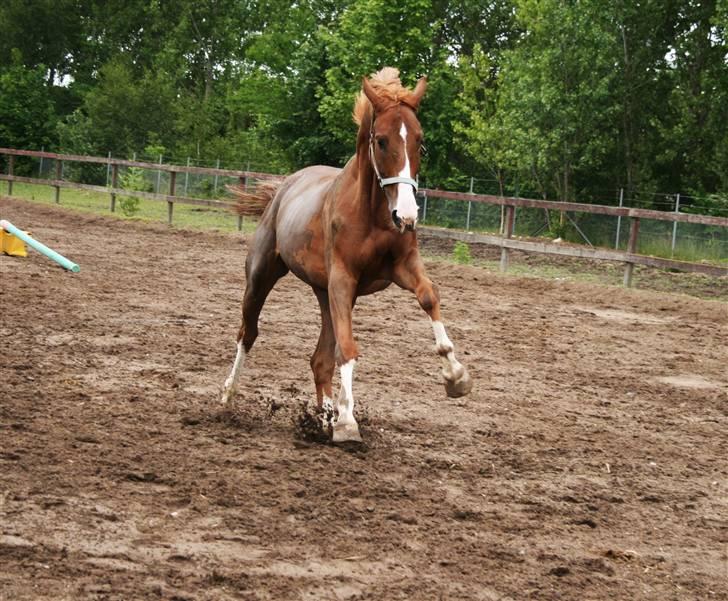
[
  {"x": 345, "y": 405},
  {"x": 452, "y": 369},
  {"x": 229, "y": 388}
]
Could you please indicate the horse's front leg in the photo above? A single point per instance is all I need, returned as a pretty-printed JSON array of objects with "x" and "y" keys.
[
  {"x": 342, "y": 293},
  {"x": 410, "y": 275}
]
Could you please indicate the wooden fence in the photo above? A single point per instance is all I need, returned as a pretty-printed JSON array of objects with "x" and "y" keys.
[
  {"x": 114, "y": 190},
  {"x": 506, "y": 242}
]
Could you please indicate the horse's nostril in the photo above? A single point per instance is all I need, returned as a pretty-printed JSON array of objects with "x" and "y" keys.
[{"x": 397, "y": 221}]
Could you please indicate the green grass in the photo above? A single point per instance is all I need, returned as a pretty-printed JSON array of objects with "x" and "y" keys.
[
  {"x": 685, "y": 250},
  {"x": 184, "y": 216},
  {"x": 610, "y": 274}
]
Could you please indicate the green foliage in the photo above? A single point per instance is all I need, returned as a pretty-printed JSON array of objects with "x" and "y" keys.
[
  {"x": 133, "y": 179},
  {"x": 549, "y": 117},
  {"x": 44, "y": 32},
  {"x": 124, "y": 112},
  {"x": 27, "y": 116},
  {"x": 461, "y": 253}
]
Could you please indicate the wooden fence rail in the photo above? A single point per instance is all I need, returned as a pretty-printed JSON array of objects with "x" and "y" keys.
[{"x": 506, "y": 242}]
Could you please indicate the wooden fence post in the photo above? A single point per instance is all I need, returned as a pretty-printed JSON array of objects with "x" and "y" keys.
[
  {"x": 11, "y": 168},
  {"x": 170, "y": 203},
  {"x": 114, "y": 185},
  {"x": 59, "y": 176},
  {"x": 634, "y": 229},
  {"x": 510, "y": 220}
]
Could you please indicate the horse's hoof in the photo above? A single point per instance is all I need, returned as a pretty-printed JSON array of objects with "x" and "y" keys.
[
  {"x": 346, "y": 433},
  {"x": 459, "y": 387}
]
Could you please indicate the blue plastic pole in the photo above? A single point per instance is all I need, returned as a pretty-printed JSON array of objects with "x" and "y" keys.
[{"x": 41, "y": 248}]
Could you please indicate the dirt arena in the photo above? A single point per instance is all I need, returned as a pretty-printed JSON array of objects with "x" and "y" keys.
[{"x": 589, "y": 462}]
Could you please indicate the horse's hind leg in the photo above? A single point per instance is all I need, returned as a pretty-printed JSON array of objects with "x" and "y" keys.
[
  {"x": 263, "y": 268},
  {"x": 322, "y": 360}
]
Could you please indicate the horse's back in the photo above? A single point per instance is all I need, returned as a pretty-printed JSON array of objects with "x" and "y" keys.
[{"x": 297, "y": 218}]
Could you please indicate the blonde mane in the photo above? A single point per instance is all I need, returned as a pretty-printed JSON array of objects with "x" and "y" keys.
[{"x": 388, "y": 86}]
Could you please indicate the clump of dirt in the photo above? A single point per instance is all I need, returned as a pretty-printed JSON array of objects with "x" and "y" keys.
[{"x": 311, "y": 424}]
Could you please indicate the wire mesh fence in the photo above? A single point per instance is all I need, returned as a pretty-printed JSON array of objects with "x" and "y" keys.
[{"x": 684, "y": 241}]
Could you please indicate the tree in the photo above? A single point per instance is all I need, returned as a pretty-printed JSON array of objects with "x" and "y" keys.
[
  {"x": 695, "y": 129},
  {"x": 45, "y": 32},
  {"x": 552, "y": 119},
  {"x": 27, "y": 117},
  {"x": 123, "y": 114}
]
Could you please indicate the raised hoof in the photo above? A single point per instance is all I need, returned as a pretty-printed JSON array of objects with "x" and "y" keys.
[
  {"x": 459, "y": 387},
  {"x": 346, "y": 433}
]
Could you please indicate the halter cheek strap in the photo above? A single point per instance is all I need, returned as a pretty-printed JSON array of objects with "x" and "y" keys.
[{"x": 386, "y": 181}]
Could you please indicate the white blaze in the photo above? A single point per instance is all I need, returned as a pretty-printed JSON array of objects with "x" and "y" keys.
[{"x": 406, "y": 206}]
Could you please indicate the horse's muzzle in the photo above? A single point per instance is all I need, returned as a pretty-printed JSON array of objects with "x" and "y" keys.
[{"x": 403, "y": 224}]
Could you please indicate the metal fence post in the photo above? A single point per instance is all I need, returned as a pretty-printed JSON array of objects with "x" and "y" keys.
[
  {"x": 217, "y": 166},
  {"x": 674, "y": 225},
  {"x": 424, "y": 209},
  {"x": 159, "y": 175},
  {"x": 170, "y": 203},
  {"x": 59, "y": 177},
  {"x": 242, "y": 182},
  {"x": 40, "y": 167},
  {"x": 508, "y": 232},
  {"x": 11, "y": 168},
  {"x": 187, "y": 176},
  {"x": 634, "y": 229},
  {"x": 619, "y": 219},
  {"x": 108, "y": 170},
  {"x": 470, "y": 206},
  {"x": 114, "y": 185}
]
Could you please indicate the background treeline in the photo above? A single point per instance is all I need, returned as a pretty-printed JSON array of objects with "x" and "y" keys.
[{"x": 565, "y": 99}]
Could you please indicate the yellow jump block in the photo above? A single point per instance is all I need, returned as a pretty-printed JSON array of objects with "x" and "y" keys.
[{"x": 11, "y": 245}]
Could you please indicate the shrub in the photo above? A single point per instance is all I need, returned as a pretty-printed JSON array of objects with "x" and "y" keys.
[
  {"x": 133, "y": 179},
  {"x": 461, "y": 253}
]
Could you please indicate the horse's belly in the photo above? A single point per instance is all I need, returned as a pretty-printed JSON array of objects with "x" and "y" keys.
[{"x": 371, "y": 287}]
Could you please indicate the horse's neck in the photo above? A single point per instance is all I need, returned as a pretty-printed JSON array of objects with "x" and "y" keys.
[{"x": 370, "y": 196}]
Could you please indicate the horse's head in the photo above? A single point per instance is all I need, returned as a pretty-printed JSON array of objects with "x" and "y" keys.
[{"x": 395, "y": 143}]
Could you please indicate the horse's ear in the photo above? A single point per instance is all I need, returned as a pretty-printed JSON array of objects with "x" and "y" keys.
[
  {"x": 371, "y": 94},
  {"x": 419, "y": 92}
]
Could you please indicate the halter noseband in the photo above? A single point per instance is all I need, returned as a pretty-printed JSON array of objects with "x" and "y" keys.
[{"x": 386, "y": 181}]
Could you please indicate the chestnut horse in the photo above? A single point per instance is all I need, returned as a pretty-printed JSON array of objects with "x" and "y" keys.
[{"x": 349, "y": 232}]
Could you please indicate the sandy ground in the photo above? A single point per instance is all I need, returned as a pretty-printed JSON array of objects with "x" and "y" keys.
[{"x": 588, "y": 463}]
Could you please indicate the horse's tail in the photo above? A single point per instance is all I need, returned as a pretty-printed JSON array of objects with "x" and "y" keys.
[{"x": 255, "y": 202}]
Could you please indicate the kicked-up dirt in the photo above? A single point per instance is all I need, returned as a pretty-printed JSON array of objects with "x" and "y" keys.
[{"x": 588, "y": 463}]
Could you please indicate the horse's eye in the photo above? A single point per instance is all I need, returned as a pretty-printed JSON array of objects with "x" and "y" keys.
[{"x": 382, "y": 143}]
